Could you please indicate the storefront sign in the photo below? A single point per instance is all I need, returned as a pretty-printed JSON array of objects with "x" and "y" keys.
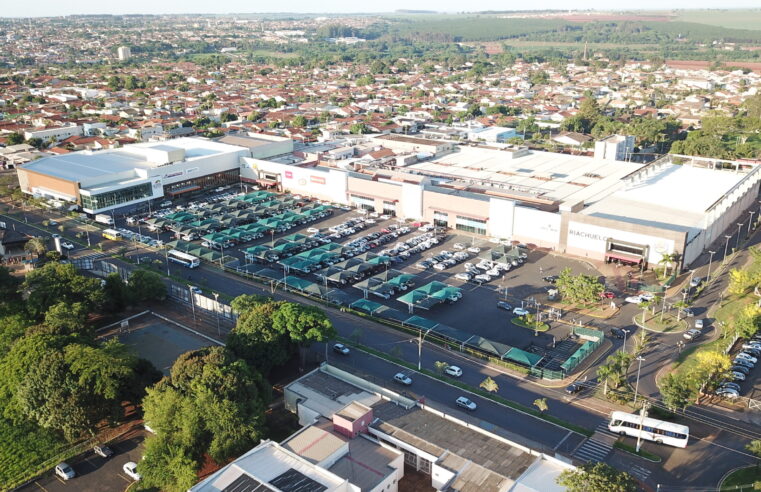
[
  {"x": 173, "y": 175},
  {"x": 586, "y": 235},
  {"x": 289, "y": 174},
  {"x": 317, "y": 179}
]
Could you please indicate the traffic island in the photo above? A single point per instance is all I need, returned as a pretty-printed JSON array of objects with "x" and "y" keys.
[
  {"x": 533, "y": 325},
  {"x": 645, "y": 455},
  {"x": 661, "y": 324},
  {"x": 741, "y": 479}
]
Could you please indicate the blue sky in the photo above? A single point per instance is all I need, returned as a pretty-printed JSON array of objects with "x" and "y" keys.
[{"x": 55, "y": 8}]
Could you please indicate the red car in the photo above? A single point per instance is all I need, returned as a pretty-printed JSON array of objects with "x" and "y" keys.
[{"x": 607, "y": 295}]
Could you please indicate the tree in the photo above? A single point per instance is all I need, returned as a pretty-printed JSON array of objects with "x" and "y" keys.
[
  {"x": 145, "y": 285},
  {"x": 711, "y": 363},
  {"x": 65, "y": 319},
  {"x": 255, "y": 338},
  {"x": 14, "y": 139},
  {"x": 299, "y": 121},
  {"x": 597, "y": 477},
  {"x": 489, "y": 385},
  {"x": 740, "y": 281},
  {"x": 754, "y": 447},
  {"x": 304, "y": 325},
  {"x": 36, "y": 246},
  {"x": 211, "y": 403},
  {"x": 56, "y": 282},
  {"x": 440, "y": 367},
  {"x": 167, "y": 467},
  {"x": 541, "y": 404},
  {"x": 359, "y": 129},
  {"x": 116, "y": 295},
  {"x": 578, "y": 289},
  {"x": 677, "y": 390}
]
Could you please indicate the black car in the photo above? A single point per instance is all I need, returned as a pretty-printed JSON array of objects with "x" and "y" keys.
[
  {"x": 551, "y": 279},
  {"x": 617, "y": 333},
  {"x": 573, "y": 388},
  {"x": 741, "y": 369}
]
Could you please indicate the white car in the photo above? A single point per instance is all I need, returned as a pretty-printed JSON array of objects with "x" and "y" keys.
[
  {"x": 474, "y": 250},
  {"x": 64, "y": 471},
  {"x": 699, "y": 324},
  {"x": 466, "y": 403},
  {"x": 519, "y": 311},
  {"x": 67, "y": 245},
  {"x": 453, "y": 371},
  {"x": 727, "y": 393},
  {"x": 130, "y": 468},
  {"x": 402, "y": 378},
  {"x": 341, "y": 349},
  {"x": 737, "y": 376},
  {"x": 463, "y": 276},
  {"x": 458, "y": 246},
  {"x": 634, "y": 299},
  {"x": 647, "y": 296},
  {"x": 313, "y": 230},
  {"x": 748, "y": 357}
]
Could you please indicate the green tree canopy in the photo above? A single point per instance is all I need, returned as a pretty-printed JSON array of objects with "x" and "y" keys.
[
  {"x": 597, "y": 477},
  {"x": 256, "y": 339},
  {"x": 304, "y": 324},
  {"x": 578, "y": 289},
  {"x": 56, "y": 282},
  {"x": 144, "y": 285}
]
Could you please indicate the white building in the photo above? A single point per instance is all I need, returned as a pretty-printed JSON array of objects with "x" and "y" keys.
[
  {"x": 57, "y": 133},
  {"x": 123, "y": 53},
  {"x": 615, "y": 148}
]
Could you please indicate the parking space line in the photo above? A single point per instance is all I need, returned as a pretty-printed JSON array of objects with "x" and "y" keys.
[
  {"x": 59, "y": 479},
  {"x": 40, "y": 486},
  {"x": 128, "y": 480}
]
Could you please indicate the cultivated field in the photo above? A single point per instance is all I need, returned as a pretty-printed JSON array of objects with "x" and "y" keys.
[{"x": 733, "y": 19}]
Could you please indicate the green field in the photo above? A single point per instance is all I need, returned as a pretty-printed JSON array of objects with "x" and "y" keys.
[
  {"x": 23, "y": 448},
  {"x": 732, "y": 19}
]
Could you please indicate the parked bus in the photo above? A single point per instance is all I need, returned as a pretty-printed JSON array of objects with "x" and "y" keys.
[
  {"x": 183, "y": 259},
  {"x": 627, "y": 424},
  {"x": 112, "y": 234}
]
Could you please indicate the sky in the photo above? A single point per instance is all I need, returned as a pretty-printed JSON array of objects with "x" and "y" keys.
[{"x": 49, "y": 8}]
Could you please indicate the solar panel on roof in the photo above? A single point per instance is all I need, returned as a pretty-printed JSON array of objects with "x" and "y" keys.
[
  {"x": 245, "y": 483},
  {"x": 295, "y": 481}
]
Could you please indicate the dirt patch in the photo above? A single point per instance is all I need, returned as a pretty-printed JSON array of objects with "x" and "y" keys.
[{"x": 703, "y": 64}]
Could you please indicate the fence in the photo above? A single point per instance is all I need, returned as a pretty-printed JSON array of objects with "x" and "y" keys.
[{"x": 594, "y": 339}]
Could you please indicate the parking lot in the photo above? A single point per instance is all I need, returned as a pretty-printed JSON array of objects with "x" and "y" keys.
[
  {"x": 349, "y": 255},
  {"x": 93, "y": 473}
]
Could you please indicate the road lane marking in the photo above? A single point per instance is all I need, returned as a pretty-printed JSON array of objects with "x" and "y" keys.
[{"x": 570, "y": 433}]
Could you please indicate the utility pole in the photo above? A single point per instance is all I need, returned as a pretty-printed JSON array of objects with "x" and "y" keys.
[
  {"x": 643, "y": 414},
  {"x": 420, "y": 348},
  {"x": 710, "y": 260},
  {"x": 739, "y": 227},
  {"x": 726, "y": 245},
  {"x": 750, "y": 222},
  {"x": 216, "y": 309},
  {"x": 639, "y": 368}
]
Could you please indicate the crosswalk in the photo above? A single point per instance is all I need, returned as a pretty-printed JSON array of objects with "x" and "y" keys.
[
  {"x": 639, "y": 472},
  {"x": 596, "y": 449}
]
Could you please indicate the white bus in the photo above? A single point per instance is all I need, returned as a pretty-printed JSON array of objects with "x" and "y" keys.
[
  {"x": 183, "y": 259},
  {"x": 628, "y": 424}
]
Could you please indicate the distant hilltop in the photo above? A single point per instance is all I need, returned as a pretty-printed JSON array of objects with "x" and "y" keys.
[{"x": 410, "y": 11}]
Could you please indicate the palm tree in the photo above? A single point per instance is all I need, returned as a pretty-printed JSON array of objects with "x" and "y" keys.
[
  {"x": 604, "y": 373},
  {"x": 667, "y": 260},
  {"x": 36, "y": 246},
  {"x": 541, "y": 404},
  {"x": 645, "y": 305},
  {"x": 489, "y": 385},
  {"x": 440, "y": 367}
]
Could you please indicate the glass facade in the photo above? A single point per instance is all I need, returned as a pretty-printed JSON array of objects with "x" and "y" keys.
[
  {"x": 116, "y": 197},
  {"x": 363, "y": 202},
  {"x": 203, "y": 182},
  {"x": 440, "y": 219},
  {"x": 389, "y": 208},
  {"x": 469, "y": 224}
]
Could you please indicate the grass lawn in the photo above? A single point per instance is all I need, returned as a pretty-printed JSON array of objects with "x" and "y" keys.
[
  {"x": 23, "y": 448},
  {"x": 633, "y": 450},
  {"x": 653, "y": 322},
  {"x": 744, "y": 476},
  {"x": 518, "y": 321}
]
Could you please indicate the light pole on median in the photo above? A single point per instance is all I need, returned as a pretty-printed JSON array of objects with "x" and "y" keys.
[
  {"x": 750, "y": 222},
  {"x": 726, "y": 245},
  {"x": 420, "y": 348},
  {"x": 216, "y": 309},
  {"x": 643, "y": 413},
  {"x": 636, "y": 386},
  {"x": 739, "y": 232},
  {"x": 710, "y": 260},
  {"x": 193, "y": 306},
  {"x": 626, "y": 332}
]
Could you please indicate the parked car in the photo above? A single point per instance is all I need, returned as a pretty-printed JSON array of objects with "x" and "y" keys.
[
  {"x": 459, "y": 246},
  {"x": 67, "y": 245},
  {"x": 692, "y": 334},
  {"x": 64, "y": 471},
  {"x": 727, "y": 393},
  {"x": 551, "y": 279},
  {"x": 463, "y": 276},
  {"x": 474, "y": 249},
  {"x": 573, "y": 388},
  {"x": 519, "y": 311},
  {"x": 130, "y": 469},
  {"x": 737, "y": 376},
  {"x": 696, "y": 281},
  {"x": 742, "y": 369},
  {"x": 466, "y": 403},
  {"x": 607, "y": 295},
  {"x": 634, "y": 299},
  {"x": 730, "y": 384},
  {"x": 402, "y": 378},
  {"x": 746, "y": 356},
  {"x": 688, "y": 312},
  {"x": 743, "y": 362},
  {"x": 453, "y": 371},
  {"x": 699, "y": 323},
  {"x": 341, "y": 349},
  {"x": 504, "y": 305},
  {"x": 103, "y": 451}
]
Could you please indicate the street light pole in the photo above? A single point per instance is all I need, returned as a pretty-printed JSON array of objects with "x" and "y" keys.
[
  {"x": 750, "y": 222},
  {"x": 739, "y": 227},
  {"x": 216, "y": 309},
  {"x": 726, "y": 245},
  {"x": 636, "y": 386},
  {"x": 643, "y": 413},
  {"x": 626, "y": 332},
  {"x": 193, "y": 306},
  {"x": 420, "y": 348},
  {"x": 710, "y": 260}
]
